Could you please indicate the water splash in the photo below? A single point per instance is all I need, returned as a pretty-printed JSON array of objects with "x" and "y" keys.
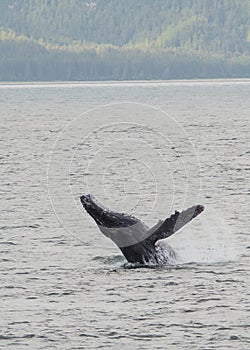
[
  {"x": 110, "y": 260},
  {"x": 207, "y": 240}
]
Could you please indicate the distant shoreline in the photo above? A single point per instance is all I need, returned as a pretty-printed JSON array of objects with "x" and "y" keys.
[{"x": 126, "y": 82}]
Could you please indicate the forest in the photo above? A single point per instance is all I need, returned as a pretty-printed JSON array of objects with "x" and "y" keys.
[{"x": 48, "y": 40}]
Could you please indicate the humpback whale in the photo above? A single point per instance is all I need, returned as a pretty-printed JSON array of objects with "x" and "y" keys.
[{"x": 137, "y": 242}]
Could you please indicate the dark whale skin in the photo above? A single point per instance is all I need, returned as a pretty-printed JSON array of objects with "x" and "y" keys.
[{"x": 137, "y": 243}]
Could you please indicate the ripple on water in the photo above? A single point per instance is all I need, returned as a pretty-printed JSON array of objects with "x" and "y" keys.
[{"x": 60, "y": 292}]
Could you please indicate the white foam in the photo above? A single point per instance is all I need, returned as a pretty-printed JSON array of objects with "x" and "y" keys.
[{"x": 208, "y": 239}]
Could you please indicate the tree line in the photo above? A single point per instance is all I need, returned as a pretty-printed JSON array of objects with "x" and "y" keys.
[
  {"x": 124, "y": 39},
  {"x": 32, "y": 62}
]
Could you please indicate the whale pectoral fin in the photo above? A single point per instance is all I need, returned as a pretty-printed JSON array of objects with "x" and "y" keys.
[{"x": 174, "y": 223}]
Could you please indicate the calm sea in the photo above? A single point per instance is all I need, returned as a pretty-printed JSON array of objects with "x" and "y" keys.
[{"x": 145, "y": 148}]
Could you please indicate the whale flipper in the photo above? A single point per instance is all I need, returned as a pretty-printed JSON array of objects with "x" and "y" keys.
[{"x": 174, "y": 223}]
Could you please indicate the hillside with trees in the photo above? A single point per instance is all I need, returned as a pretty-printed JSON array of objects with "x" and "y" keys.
[{"x": 48, "y": 40}]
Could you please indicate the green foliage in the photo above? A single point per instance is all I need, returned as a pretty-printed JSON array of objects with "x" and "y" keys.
[{"x": 124, "y": 39}]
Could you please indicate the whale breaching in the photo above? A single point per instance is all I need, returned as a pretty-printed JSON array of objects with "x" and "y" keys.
[{"x": 136, "y": 241}]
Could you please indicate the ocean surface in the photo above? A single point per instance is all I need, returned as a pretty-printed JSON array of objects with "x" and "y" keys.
[{"x": 144, "y": 148}]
